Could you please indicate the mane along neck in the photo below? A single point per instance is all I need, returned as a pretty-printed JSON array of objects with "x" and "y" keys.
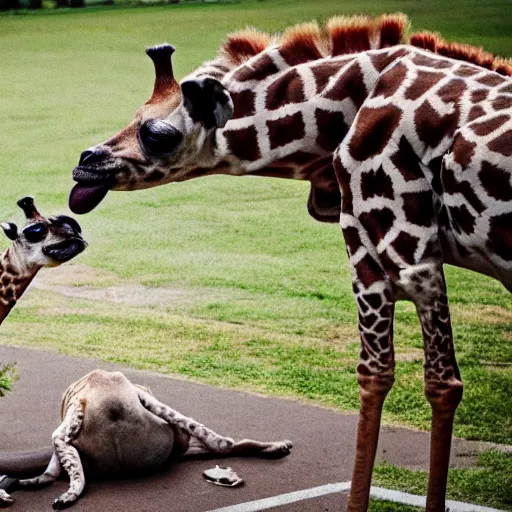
[
  {"x": 344, "y": 35},
  {"x": 14, "y": 280}
]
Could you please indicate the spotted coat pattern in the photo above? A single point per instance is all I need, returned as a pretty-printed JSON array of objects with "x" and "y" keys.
[
  {"x": 422, "y": 155},
  {"x": 409, "y": 148},
  {"x": 13, "y": 282}
]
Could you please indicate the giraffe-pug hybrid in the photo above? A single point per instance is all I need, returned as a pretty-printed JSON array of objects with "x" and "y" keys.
[
  {"x": 42, "y": 242},
  {"x": 407, "y": 142},
  {"x": 111, "y": 427}
]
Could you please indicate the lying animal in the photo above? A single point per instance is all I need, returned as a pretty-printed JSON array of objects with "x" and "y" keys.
[{"x": 112, "y": 427}]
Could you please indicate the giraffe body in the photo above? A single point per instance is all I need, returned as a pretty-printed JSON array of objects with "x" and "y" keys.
[{"x": 409, "y": 146}]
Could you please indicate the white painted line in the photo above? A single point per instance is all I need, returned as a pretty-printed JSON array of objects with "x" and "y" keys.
[
  {"x": 323, "y": 490},
  {"x": 284, "y": 499}
]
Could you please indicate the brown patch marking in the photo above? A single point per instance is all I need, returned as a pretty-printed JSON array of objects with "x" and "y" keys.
[
  {"x": 390, "y": 81},
  {"x": 476, "y": 112},
  {"x": 500, "y": 236},
  {"x": 502, "y": 144},
  {"x": 244, "y": 104},
  {"x": 285, "y": 90},
  {"x": 332, "y": 128},
  {"x": 376, "y": 183},
  {"x": 324, "y": 71},
  {"x": 285, "y": 130},
  {"x": 431, "y": 126},
  {"x": 374, "y": 128},
  {"x": 496, "y": 181},
  {"x": 423, "y": 82},
  {"x": 406, "y": 161},
  {"x": 418, "y": 207},
  {"x": 243, "y": 143},
  {"x": 463, "y": 150},
  {"x": 260, "y": 69},
  {"x": 349, "y": 85}
]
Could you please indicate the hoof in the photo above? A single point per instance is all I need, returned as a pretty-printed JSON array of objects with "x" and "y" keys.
[
  {"x": 278, "y": 449},
  {"x": 62, "y": 503}
]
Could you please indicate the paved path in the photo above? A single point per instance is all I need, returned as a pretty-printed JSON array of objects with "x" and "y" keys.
[{"x": 323, "y": 442}]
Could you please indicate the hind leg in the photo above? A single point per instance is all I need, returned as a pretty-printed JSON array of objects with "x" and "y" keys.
[
  {"x": 209, "y": 441},
  {"x": 425, "y": 285},
  {"x": 243, "y": 448},
  {"x": 51, "y": 474}
]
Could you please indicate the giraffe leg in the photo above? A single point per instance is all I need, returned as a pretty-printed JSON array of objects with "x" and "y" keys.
[
  {"x": 243, "y": 448},
  {"x": 443, "y": 387},
  {"x": 51, "y": 474},
  {"x": 204, "y": 435},
  {"x": 68, "y": 456},
  {"x": 7, "y": 484},
  {"x": 209, "y": 441},
  {"x": 375, "y": 375}
]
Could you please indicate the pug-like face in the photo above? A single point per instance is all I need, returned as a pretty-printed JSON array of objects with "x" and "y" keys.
[{"x": 44, "y": 242}]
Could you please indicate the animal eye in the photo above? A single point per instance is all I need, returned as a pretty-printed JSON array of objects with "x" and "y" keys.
[
  {"x": 69, "y": 222},
  {"x": 35, "y": 232},
  {"x": 159, "y": 138}
]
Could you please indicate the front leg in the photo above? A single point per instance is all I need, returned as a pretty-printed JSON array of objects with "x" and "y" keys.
[
  {"x": 51, "y": 474},
  {"x": 7, "y": 484},
  {"x": 67, "y": 454},
  {"x": 375, "y": 375}
]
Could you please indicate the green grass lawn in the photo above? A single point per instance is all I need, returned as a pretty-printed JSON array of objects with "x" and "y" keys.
[{"x": 262, "y": 292}]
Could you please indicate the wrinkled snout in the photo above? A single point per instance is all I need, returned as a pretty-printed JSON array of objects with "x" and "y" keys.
[
  {"x": 66, "y": 250},
  {"x": 70, "y": 240}
]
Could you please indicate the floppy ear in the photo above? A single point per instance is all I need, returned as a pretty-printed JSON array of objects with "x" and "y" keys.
[
  {"x": 10, "y": 230},
  {"x": 207, "y": 101}
]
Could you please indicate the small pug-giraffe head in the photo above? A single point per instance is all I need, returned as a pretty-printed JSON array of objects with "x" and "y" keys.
[{"x": 44, "y": 242}]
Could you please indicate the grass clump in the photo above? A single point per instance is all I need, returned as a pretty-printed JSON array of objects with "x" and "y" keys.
[
  {"x": 489, "y": 484},
  {"x": 7, "y": 377}
]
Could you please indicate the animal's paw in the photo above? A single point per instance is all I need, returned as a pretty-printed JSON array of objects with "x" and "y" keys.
[
  {"x": 64, "y": 501},
  {"x": 279, "y": 449},
  {"x": 5, "y": 499}
]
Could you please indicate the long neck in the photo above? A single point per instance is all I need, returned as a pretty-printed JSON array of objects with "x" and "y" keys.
[
  {"x": 287, "y": 117},
  {"x": 15, "y": 277}
]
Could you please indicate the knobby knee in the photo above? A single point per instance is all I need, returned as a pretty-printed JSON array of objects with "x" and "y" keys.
[
  {"x": 374, "y": 384},
  {"x": 444, "y": 396}
]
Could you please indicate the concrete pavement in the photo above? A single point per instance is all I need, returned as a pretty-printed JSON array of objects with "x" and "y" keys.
[{"x": 323, "y": 442}]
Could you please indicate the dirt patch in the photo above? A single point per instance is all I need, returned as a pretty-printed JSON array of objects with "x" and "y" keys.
[
  {"x": 409, "y": 355},
  {"x": 486, "y": 314},
  {"x": 74, "y": 275},
  {"x": 85, "y": 282}
]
